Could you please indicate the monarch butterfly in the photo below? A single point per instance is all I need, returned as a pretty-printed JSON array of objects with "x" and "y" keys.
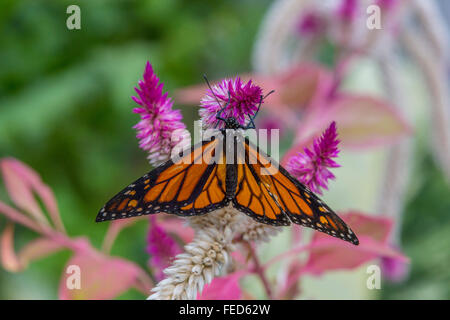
[{"x": 186, "y": 186}]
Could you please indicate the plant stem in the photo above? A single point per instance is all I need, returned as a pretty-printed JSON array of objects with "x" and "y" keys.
[{"x": 259, "y": 271}]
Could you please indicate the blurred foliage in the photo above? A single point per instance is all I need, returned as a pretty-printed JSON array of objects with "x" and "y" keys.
[
  {"x": 65, "y": 110},
  {"x": 425, "y": 238}
]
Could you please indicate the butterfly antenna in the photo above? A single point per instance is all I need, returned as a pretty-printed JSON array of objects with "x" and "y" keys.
[
  {"x": 212, "y": 91},
  {"x": 261, "y": 101},
  {"x": 271, "y": 91},
  {"x": 250, "y": 118},
  {"x": 219, "y": 113},
  {"x": 259, "y": 106}
]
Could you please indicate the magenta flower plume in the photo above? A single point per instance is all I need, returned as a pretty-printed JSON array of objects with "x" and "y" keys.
[
  {"x": 161, "y": 247},
  {"x": 160, "y": 128},
  {"x": 311, "y": 167},
  {"x": 244, "y": 101},
  {"x": 348, "y": 10},
  {"x": 311, "y": 23}
]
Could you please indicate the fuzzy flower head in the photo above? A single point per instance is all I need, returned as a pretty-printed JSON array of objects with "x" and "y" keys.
[
  {"x": 242, "y": 98},
  {"x": 161, "y": 247},
  {"x": 347, "y": 10},
  {"x": 311, "y": 23},
  {"x": 311, "y": 167},
  {"x": 160, "y": 128}
]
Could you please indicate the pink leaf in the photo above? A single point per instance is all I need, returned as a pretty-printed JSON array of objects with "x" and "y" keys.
[
  {"x": 8, "y": 256},
  {"x": 38, "y": 249},
  {"x": 21, "y": 181},
  {"x": 18, "y": 217},
  {"x": 115, "y": 227},
  {"x": 329, "y": 253},
  {"x": 362, "y": 121},
  {"x": 17, "y": 179},
  {"x": 394, "y": 270},
  {"x": 302, "y": 86},
  {"x": 101, "y": 277},
  {"x": 223, "y": 288}
]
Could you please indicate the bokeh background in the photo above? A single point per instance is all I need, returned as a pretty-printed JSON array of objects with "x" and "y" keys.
[{"x": 65, "y": 110}]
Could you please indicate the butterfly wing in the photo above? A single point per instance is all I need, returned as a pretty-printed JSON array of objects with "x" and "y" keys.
[
  {"x": 254, "y": 198},
  {"x": 292, "y": 197},
  {"x": 189, "y": 186},
  {"x": 251, "y": 195}
]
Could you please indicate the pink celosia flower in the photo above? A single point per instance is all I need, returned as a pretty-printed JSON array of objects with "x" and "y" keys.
[
  {"x": 244, "y": 101},
  {"x": 311, "y": 167},
  {"x": 347, "y": 10},
  {"x": 160, "y": 128},
  {"x": 311, "y": 23},
  {"x": 161, "y": 247}
]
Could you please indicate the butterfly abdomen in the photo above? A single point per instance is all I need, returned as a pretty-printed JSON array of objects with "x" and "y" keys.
[{"x": 231, "y": 181}]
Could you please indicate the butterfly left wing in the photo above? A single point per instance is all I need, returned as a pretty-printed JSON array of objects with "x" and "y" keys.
[
  {"x": 185, "y": 188},
  {"x": 293, "y": 198}
]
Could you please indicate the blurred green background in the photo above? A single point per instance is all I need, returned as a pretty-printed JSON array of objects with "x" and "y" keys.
[{"x": 65, "y": 110}]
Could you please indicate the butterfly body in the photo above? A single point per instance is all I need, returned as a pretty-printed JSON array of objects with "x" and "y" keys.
[{"x": 226, "y": 170}]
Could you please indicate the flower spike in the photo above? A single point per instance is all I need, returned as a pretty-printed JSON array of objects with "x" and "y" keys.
[
  {"x": 161, "y": 128},
  {"x": 311, "y": 167}
]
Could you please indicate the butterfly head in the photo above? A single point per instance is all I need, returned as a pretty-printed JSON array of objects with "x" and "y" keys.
[{"x": 231, "y": 123}]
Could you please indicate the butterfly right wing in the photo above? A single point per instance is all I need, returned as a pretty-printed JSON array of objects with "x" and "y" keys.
[
  {"x": 191, "y": 186},
  {"x": 293, "y": 198},
  {"x": 253, "y": 196}
]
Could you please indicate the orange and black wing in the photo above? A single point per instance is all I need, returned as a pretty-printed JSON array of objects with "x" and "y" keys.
[
  {"x": 190, "y": 186},
  {"x": 254, "y": 198},
  {"x": 292, "y": 198}
]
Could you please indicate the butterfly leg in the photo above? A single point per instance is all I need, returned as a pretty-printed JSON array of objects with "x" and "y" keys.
[{"x": 251, "y": 124}]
